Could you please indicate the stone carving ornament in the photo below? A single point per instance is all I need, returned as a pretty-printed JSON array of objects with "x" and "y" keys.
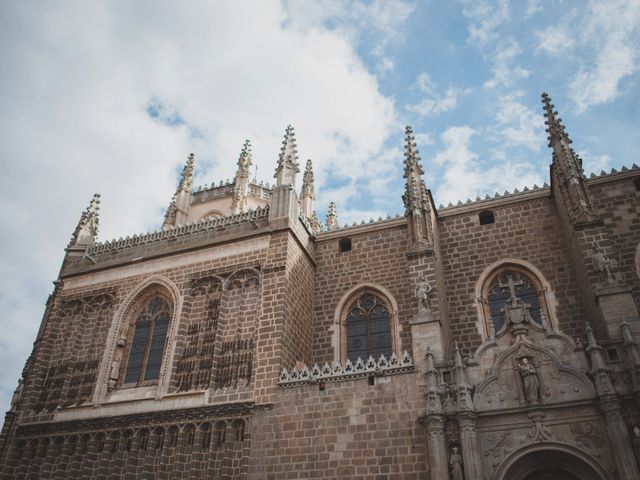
[
  {"x": 605, "y": 266},
  {"x": 423, "y": 289}
]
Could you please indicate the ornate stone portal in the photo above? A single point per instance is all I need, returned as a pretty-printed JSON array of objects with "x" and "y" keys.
[{"x": 530, "y": 395}]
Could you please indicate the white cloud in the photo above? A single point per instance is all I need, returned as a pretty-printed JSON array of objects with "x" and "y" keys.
[
  {"x": 554, "y": 40},
  {"x": 485, "y": 17},
  {"x": 463, "y": 173},
  {"x": 519, "y": 125},
  {"x": 433, "y": 104},
  {"x": 376, "y": 23},
  {"x": 533, "y": 7},
  {"x": 592, "y": 163},
  {"x": 504, "y": 73},
  {"x": 77, "y": 81},
  {"x": 612, "y": 29}
]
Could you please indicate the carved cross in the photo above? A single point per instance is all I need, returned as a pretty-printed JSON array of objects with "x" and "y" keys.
[{"x": 511, "y": 285}]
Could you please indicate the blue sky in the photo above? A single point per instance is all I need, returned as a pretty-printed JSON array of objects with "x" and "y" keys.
[{"x": 111, "y": 97}]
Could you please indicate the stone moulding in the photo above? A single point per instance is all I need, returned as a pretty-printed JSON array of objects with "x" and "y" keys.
[
  {"x": 197, "y": 227},
  {"x": 338, "y": 371}
]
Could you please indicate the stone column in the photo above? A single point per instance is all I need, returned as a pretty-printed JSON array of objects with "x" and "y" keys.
[
  {"x": 437, "y": 449},
  {"x": 469, "y": 442},
  {"x": 619, "y": 438}
]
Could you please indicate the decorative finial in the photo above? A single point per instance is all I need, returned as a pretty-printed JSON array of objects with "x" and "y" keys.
[
  {"x": 416, "y": 199},
  {"x": 288, "y": 160},
  {"x": 241, "y": 180},
  {"x": 179, "y": 207},
  {"x": 332, "y": 217},
  {"x": 86, "y": 231}
]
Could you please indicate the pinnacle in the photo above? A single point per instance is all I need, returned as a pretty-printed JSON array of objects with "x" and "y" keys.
[
  {"x": 244, "y": 161},
  {"x": 289, "y": 151}
]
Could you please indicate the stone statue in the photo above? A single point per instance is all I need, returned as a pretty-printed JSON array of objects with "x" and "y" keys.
[
  {"x": 605, "y": 266},
  {"x": 636, "y": 442},
  {"x": 114, "y": 372},
  {"x": 455, "y": 462},
  {"x": 422, "y": 295},
  {"x": 16, "y": 396},
  {"x": 529, "y": 381}
]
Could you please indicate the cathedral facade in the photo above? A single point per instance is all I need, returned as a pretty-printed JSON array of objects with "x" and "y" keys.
[{"x": 497, "y": 339}]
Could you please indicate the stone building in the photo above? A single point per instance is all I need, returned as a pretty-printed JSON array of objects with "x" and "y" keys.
[{"x": 494, "y": 339}]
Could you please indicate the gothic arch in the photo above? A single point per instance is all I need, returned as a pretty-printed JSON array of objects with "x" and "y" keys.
[
  {"x": 242, "y": 278},
  {"x": 121, "y": 320},
  {"x": 548, "y": 296},
  {"x": 523, "y": 464},
  {"x": 212, "y": 214},
  {"x": 339, "y": 336}
]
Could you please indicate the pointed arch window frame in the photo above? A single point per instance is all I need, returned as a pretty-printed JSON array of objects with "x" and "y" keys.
[
  {"x": 133, "y": 321},
  {"x": 546, "y": 298},
  {"x": 118, "y": 330},
  {"x": 340, "y": 337}
]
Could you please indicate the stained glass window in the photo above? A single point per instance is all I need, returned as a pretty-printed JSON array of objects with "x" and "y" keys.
[
  {"x": 510, "y": 283},
  {"x": 368, "y": 325},
  {"x": 148, "y": 342}
]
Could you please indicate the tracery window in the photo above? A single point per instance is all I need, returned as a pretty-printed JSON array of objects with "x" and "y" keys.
[
  {"x": 146, "y": 346},
  {"x": 368, "y": 328},
  {"x": 513, "y": 285}
]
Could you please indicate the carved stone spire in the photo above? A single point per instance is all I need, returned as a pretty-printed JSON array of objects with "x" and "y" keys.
[
  {"x": 416, "y": 199},
  {"x": 307, "y": 193},
  {"x": 288, "y": 160},
  {"x": 87, "y": 229},
  {"x": 179, "y": 206},
  {"x": 462, "y": 384},
  {"x": 567, "y": 166},
  {"x": 434, "y": 401},
  {"x": 332, "y": 217},
  {"x": 599, "y": 369},
  {"x": 241, "y": 181}
]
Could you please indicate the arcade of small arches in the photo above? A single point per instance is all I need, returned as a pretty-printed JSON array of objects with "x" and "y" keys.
[{"x": 209, "y": 444}]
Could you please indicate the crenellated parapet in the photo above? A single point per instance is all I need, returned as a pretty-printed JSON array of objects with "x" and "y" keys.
[{"x": 198, "y": 227}]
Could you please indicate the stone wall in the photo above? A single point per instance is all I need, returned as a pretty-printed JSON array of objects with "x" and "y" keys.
[
  {"x": 528, "y": 230},
  {"x": 349, "y": 430},
  {"x": 377, "y": 257}
]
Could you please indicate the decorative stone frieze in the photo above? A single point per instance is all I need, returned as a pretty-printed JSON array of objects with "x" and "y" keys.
[{"x": 338, "y": 371}]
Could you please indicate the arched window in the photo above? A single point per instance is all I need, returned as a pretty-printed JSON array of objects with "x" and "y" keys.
[
  {"x": 368, "y": 327},
  {"x": 148, "y": 336},
  {"x": 513, "y": 285}
]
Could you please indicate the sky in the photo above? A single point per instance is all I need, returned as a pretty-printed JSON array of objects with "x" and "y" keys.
[{"x": 112, "y": 96}]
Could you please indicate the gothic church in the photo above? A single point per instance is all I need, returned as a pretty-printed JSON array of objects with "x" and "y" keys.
[{"x": 497, "y": 339}]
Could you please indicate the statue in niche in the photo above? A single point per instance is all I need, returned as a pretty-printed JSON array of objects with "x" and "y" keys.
[
  {"x": 530, "y": 381},
  {"x": 636, "y": 442},
  {"x": 423, "y": 289},
  {"x": 455, "y": 462},
  {"x": 16, "y": 396},
  {"x": 114, "y": 372},
  {"x": 605, "y": 266}
]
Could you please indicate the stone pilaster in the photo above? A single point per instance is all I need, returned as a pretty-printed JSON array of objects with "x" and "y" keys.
[
  {"x": 468, "y": 423},
  {"x": 437, "y": 448},
  {"x": 618, "y": 438},
  {"x": 617, "y": 432},
  {"x": 591, "y": 247},
  {"x": 428, "y": 324}
]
